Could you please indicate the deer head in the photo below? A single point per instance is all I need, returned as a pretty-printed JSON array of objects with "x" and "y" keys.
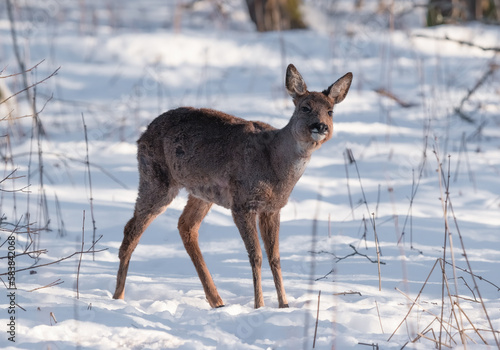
[{"x": 311, "y": 123}]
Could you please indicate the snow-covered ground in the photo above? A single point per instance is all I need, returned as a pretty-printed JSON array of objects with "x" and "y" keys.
[{"x": 123, "y": 63}]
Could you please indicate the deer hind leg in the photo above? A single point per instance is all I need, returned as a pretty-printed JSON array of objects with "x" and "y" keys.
[
  {"x": 247, "y": 225},
  {"x": 154, "y": 197},
  {"x": 269, "y": 224},
  {"x": 189, "y": 223}
]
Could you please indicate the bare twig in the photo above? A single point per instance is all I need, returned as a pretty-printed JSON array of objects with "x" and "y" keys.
[
  {"x": 493, "y": 67},
  {"x": 56, "y": 261},
  {"x": 39, "y": 252},
  {"x": 338, "y": 258},
  {"x": 348, "y": 293},
  {"x": 15, "y": 46},
  {"x": 32, "y": 85},
  {"x": 26, "y": 71},
  {"x": 317, "y": 319},
  {"x": 52, "y": 284},
  {"x": 390, "y": 95},
  {"x": 9, "y": 177},
  {"x": 476, "y": 276},
  {"x": 461, "y": 42}
]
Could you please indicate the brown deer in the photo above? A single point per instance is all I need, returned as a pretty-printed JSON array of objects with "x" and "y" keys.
[{"x": 246, "y": 166}]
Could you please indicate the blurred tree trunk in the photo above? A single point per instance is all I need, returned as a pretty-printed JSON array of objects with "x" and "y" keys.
[
  {"x": 446, "y": 11},
  {"x": 275, "y": 14}
]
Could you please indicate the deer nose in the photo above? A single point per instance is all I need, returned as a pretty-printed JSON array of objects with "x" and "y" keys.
[{"x": 319, "y": 128}]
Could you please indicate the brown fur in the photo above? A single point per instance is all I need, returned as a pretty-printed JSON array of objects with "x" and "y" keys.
[{"x": 248, "y": 167}]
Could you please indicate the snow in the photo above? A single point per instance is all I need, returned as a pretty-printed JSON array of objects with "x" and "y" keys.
[{"x": 123, "y": 63}]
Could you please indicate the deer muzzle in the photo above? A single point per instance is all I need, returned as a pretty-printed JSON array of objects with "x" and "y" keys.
[{"x": 318, "y": 131}]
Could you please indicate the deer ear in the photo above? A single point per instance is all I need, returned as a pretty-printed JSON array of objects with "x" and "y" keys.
[
  {"x": 338, "y": 90},
  {"x": 294, "y": 83}
]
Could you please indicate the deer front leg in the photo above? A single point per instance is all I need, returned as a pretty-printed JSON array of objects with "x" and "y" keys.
[
  {"x": 269, "y": 224},
  {"x": 247, "y": 225}
]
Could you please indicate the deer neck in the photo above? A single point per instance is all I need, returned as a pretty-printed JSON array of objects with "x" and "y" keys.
[{"x": 289, "y": 156}]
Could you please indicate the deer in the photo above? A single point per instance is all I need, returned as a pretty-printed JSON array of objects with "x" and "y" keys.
[{"x": 246, "y": 166}]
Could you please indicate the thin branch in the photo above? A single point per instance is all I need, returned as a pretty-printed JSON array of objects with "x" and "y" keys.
[
  {"x": 348, "y": 293},
  {"x": 56, "y": 261},
  {"x": 348, "y": 255},
  {"x": 338, "y": 258},
  {"x": 39, "y": 252},
  {"x": 26, "y": 71},
  {"x": 15, "y": 46},
  {"x": 461, "y": 42},
  {"x": 473, "y": 274},
  {"x": 479, "y": 83},
  {"x": 32, "y": 85},
  {"x": 52, "y": 284},
  {"x": 390, "y": 95}
]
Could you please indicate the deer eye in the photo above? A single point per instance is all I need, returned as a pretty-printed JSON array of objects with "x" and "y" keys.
[
  {"x": 330, "y": 113},
  {"x": 305, "y": 109}
]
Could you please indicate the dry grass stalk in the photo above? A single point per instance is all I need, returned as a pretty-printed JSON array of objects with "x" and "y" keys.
[
  {"x": 352, "y": 160},
  {"x": 473, "y": 277},
  {"x": 414, "y": 302},
  {"x": 52, "y": 317},
  {"x": 452, "y": 303},
  {"x": 379, "y": 318},
  {"x": 377, "y": 248},
  {"x": 447, "y": 238},
  {"x": 438, "y": 343},
  {"x": 80, "y": 261},
  {"x": 349, "y": 159},
  {"x": 472, "y": 324},
  {"x": 87, "y": 163},
  {"x": 439, "y": 319}
]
